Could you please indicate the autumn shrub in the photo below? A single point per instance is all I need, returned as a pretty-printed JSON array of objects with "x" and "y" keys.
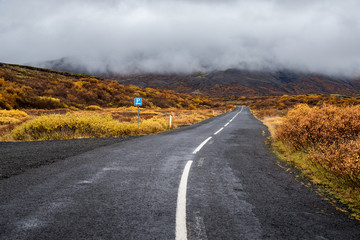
[
  {"x": 342, "y": 158},
  {"x": 8, "y": 120},
  {"x": 12, "y": 117},
  {"x": 44, "y": 102},
  {"x": 93, "y": 108},
  {"x": 303, "y": 126},
  {"x": 329, "y": 134},
  {"x": 13, "y": 114},
  {"x": 152, "y": 125}
]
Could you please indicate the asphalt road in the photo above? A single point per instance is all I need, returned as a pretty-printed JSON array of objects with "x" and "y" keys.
[{"x": 180, "y": 184}]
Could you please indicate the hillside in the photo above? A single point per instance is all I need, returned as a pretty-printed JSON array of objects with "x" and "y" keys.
[
  {"x": 231, "y": 82},
  {"x": 31, "y": 87},
  {"x": 235, "y": 82}
]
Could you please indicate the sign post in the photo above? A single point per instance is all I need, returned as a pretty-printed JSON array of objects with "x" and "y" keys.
[{"x": 138, "y": 103}]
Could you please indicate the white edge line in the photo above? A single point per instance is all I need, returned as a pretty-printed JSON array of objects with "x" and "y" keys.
[
  {"x": 226, "y": 125},
  {"x": 201, "y": 145},
  {"x": 219, "y": 131},
  {"x": 180, "y": 229}
]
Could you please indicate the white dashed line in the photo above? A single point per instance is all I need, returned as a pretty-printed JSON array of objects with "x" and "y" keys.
[
  {"x": 180, "y": 231},
  {"x": 219, "y": 131},
  {"x": 201, "y": 145},
  {"x": 227, "y": 124}
]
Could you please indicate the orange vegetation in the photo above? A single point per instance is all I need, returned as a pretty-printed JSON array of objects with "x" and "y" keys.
[
  {"x": 279, "y": 105},
  {"x": 23, "y": 87},
  {"x": 330, "y": 134}
]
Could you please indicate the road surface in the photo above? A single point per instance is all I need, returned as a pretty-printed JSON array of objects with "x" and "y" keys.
[{"x": 213, "y": 180}]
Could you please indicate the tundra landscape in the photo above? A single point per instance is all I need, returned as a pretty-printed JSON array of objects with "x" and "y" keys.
[{"x": 207, "y": 119}]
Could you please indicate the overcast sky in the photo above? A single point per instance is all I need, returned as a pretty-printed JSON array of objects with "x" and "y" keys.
[{"x": 184, "y": 35}]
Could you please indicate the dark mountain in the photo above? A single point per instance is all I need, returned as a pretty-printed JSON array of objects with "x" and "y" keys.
[
  {"x": 231, "y": 82},
  {"x": 234, "y": 82},
  {"x": 63, "y": 64}
]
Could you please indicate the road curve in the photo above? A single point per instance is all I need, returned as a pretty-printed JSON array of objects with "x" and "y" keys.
[{"x": 213, "y": 180}]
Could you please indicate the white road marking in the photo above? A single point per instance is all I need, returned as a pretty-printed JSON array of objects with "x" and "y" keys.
[
  {"x": 111, "y": 169},
  {"x": 201, "y": 145},
  {"x": 201, "y": 162},
  {"x": 200, "y": 232},
  {"x": 84, "y": 182},
  {"x": 30, "y": 223},
  {"x": 181, "y": 231},
  {"x": 219, "y": 131}
]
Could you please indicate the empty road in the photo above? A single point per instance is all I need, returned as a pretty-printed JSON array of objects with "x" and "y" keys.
[{"x": 213, "y": 180}]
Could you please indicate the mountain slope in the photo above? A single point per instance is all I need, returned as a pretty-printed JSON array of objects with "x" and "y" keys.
[
  {"x": 231, "y": 82},
  {"x": 31, "y": 87},
  {"x": 245, "y": 83}
]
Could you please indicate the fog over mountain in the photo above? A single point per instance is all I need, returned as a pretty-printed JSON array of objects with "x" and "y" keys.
[{"x": 126, "y": 36}]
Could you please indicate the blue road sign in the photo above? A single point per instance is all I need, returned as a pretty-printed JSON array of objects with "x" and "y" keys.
[{"x": 138, "y": 101}]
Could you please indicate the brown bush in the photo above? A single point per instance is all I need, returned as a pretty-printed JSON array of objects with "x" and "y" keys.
[
  {"x": 304, "y": 126},
  {"x": 22, "y": 87},
  {"x": 329, "y": 133},
  {"x": 341, "y": 158}
]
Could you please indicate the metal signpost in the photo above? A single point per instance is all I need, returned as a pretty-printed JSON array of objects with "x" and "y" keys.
[{"x": 138, "y": 103}]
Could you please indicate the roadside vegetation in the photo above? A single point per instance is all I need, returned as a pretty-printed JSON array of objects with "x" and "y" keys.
[
  {"x": 266, "y": 106},
  {"x": 320, "y": 137},
  {"x": 43, "y": 104},
  {"x": 82, "y": 125},
  {"x": 66, "y": 124}
]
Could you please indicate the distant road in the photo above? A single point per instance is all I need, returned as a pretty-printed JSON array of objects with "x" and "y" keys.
[{"x": 213, "y": 180}]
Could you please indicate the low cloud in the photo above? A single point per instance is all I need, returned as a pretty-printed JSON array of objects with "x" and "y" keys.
[{"x": 184, "y": 35}]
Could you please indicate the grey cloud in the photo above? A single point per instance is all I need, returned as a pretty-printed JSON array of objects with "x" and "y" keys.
[{"x": 183, "y": 35}]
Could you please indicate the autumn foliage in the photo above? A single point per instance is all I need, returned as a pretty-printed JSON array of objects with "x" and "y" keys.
[
  {"x": 23, "y": 87},
  {"x": 116, "y": 122},
  {"x": 330, "y": 134},
  {"x": 267, "y": 106},
  {"x": 83, "y": 125}
]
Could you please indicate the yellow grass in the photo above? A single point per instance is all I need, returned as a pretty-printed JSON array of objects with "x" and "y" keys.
[
  {"x": 272, "y": 123},
  {"x": 8, "y": 120},
  {"x": 11, "y": 117},
  {"x": 82, "y": 125},
  {"x": 104, "y": 123},
  {"x": 13, "y": 114}
]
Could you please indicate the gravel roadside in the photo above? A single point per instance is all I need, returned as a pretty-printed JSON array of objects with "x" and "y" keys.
[{"x": 17, "y": 157}]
